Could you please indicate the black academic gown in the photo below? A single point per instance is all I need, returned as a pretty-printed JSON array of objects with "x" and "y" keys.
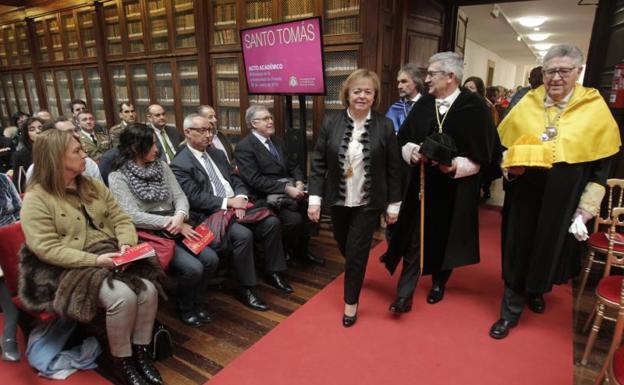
[{"x": 451, "y": 205}]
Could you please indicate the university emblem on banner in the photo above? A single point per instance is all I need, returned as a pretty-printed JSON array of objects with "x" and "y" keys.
[{"x": 292, "y": 81}]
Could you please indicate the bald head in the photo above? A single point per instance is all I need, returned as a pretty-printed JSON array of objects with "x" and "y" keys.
[{"x": 156, "y": 115}]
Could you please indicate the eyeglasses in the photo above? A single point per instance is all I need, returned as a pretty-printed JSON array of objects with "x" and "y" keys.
[
  {"x": 265, "y": 119},
  {"x": 434, "y": 73},
  {"x": 564, "y": 72},
  {"x": 203, "y": 130}
]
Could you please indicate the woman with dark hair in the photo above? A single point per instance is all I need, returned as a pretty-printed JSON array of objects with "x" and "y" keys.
[
  {"x": 74, "y": 229},
  {"x": 355, "y": 168},
  {"x": 475, "y": 84},
  {"x": 18, "y": 118},
  {"x": 22, "y": 158},
  {"x": 149, "y": 192}
]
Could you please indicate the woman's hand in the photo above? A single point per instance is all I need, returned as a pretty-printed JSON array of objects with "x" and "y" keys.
[
  {"x": 123, "y": 248},
  {"x": 174, "y": 224},
  {"x": 106, "y": 260},
  {"x": 314, "y": 213},
  {"x": 516, "y": 171},
  {"x": 391, "y": 218},
  {"x": 189, "y": 233}
]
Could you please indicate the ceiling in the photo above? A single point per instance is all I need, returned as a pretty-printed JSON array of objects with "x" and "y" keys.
[{"x": 567, "y": 22}]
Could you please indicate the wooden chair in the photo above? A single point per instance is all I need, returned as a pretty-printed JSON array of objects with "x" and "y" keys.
[
  {"x": 598, "y": 242},
  {"x": 11, "y": 240},
  {"x": 609, "y": 287},
  {"x": 613, "y": 366}
]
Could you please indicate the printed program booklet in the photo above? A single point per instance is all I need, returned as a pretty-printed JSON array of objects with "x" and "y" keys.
[
  {"x": 206, "y": 237},
  {"x": 134, "y": 253}
]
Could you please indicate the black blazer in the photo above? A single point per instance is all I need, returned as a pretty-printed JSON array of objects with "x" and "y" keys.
[
  {"x": 174, "y": 137},
  {"x": 227, "y": 144},
  {"x": 195, "y": 182},
  {"x": 384, "y": 162},
  {"x": 260, "y": 170}
]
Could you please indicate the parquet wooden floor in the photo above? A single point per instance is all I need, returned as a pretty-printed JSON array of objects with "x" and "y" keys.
[{"x": 201, "y": 353}]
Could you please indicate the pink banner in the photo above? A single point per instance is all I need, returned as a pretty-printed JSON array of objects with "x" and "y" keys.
[{"x": 285, "y": 58}]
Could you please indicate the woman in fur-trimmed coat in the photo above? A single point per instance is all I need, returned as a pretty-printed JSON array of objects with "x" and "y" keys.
[{"x": 73, "y": 229}]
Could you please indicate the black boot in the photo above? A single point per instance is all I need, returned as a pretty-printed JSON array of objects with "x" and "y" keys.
[
  {"x": 144, "y": 365},
  {"x": 127, "y": 372}
]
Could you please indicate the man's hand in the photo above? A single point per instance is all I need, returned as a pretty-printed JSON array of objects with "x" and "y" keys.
[
  {"x": 174, "y": 223},
  {"x": 448, "y": 169},
  {"x": 391, "y": 218},
  {"x": 294, "y": 192},
  {"x": 416, "y": 156},
  {"x": 300, "y": 185},
  {"x": 240, "y": 213},
  {"x": 314, "y": 213},
  {"x": 237, "y": 202},
  {"x": 585, "y": 215},
  {"x": 516, "y": 171}
]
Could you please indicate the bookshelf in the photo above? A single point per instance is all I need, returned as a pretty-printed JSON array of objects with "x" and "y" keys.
[
  {"x": 297, "y": 9},
  {"x": 338, "y": 65},
  {"x": 227, "y": 97},
  {"x": 189, "y": 86},
  {"x": 4, "y": 112},
  {"x": 21, "y": 36},
  {"x": 184, "y": 24},
  {"x": 56, "y": 45},
  {"x": 134, "y": 25},
  {"x": 70, "y": 33},
  {"x": 64, "y": 94},
  {"x": 50, "y": 92},
  {"x": 87, "y": 33},
  {"x": 10, "y": 47},
  {"x": 119, "y": 83},
  {"x": 224, "y": 25},
  {"x": 112, "y": 29},
  {"x": 42, "y": 41},
  {"x": 20, "y": 92},
  {"x": 9, "y": 89},
  {"x": 341, "y": 17},
  {"x": 96, "y": 97},
  {"x": 31, "y": 87},
  {"x": 163, "y": 89},
  {"x": 157, "y": 21},
  {"x": 79, "y": 87},
  {"x": 258, "y": 12},
  {"x": 140, "y": 89},
  {"x": 3, "y": 56}
]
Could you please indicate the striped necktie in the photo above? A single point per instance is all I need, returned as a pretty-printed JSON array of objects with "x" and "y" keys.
[{"x": 219, "y": 189}]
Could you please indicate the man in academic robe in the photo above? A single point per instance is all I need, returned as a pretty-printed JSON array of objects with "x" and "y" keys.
[
  {"x": 451, "y": 231},
  {"x": 546, "y": 209},
  {"x": 266, "y": 167},
  {"x": 211, "y": 185},
  {"x": 168, "y": 137},
  {"x": 410, "y": 86}
]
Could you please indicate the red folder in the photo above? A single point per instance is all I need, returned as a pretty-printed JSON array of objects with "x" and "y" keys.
[
  {"x": 206, "y": 237},
  {"x": 134, "y": 253}
]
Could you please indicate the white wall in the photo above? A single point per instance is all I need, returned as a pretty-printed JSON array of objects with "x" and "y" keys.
[{"x": 506, "y": 74}]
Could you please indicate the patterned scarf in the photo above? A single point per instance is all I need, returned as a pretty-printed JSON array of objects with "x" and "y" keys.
[
  {"x": 147, "y": 182},
  {"x": 10, "y": 203}
]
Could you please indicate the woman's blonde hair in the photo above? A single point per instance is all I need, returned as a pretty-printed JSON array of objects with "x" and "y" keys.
[
  {"x": 356, "y": 75},
  {"x": 49, "y": 167}
]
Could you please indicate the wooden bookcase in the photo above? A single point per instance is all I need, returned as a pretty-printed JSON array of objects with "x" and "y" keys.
[{"x": 182, "y": 53}]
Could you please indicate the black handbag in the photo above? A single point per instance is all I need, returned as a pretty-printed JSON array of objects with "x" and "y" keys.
[{"x": 162, "y": 344}]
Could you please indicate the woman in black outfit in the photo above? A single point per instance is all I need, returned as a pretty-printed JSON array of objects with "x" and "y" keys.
[
  {"x": 22, "y": 159},
  {"x": 355, "y": 167}
]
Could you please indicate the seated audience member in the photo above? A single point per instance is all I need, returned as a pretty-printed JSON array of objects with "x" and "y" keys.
[
  {"x": 77, "y": 106},
  {"x": 210, "y": 186},
  {"x": 127, "y": 115},
  {"x": 10, "y": 206},
  {"x": 93, "y": 142},
  {"x": 12, "y": 133},
  {"x": 6, "y": 150},
  {"x": 74, "y": 228},
  {"x": 265, "y": 166},
  {"x": 167, "y": 137},
  {"x": 148, "y": 191},
  {"x": 91, "y": 168},
  {"x": 43, "y": 115},
  {"x": 22, "y": 159},
  {"x": 18, "y": 118},
  {"x": 220, "y": 140}
]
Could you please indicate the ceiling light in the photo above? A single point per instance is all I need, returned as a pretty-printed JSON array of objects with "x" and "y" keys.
[
  {"x": 538, "y": 36},
  {"x": 518, "y": 38},
  {"x": 536, "y": 29},
  {"x": 542, "y": 53},
  {"x": 542, "y": 46},
  {"x": 532, "y": 21}
]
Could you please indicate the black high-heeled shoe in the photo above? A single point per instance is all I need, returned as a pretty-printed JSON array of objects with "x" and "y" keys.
[{"x": 348, "y": 321}]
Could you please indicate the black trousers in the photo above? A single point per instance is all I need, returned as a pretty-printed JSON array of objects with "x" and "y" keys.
[
  {"x": 268, "y": 232},
  {"x": 512, "y": 304},
  {"x": 410, "y": 274},
  {"x": 353, "y": 230},
  {"x": 194, "y": 273},
  {"x": 296, "y": 229}
]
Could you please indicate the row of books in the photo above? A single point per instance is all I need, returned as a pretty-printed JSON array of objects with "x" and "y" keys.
[
  {"x": 342, "y": 5},
  {"x": 228, "y": 91},
  {"x": 224, "y": 14},
  {"x": 185, "y": 22},
  {"x": 225, "y": 36},
  {"x": 132, "y": 8},
  {"x": 298, "y": 8},
  {"x": 342, "y": 26},
  {"x": 259, "y": 10}
]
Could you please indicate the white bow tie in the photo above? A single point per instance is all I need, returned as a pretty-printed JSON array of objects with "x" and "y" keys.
[{"x": 440, "y": 103}]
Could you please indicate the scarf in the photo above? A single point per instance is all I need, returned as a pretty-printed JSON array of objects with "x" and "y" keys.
[
  {"x": 10, "y": 203},
  {"x": 147, "y": 182}
]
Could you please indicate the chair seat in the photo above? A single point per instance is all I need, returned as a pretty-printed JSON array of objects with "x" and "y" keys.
[
  {"x": 618, "y": 365},
  {"x": 599, "y": 240},
  {"x": 609, "y": 288}
]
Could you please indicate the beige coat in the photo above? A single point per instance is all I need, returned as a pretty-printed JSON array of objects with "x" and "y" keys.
[{"x": 56, "y": 231}]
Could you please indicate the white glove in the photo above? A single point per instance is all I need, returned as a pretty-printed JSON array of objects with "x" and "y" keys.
[{"x": 578, "y": 229}]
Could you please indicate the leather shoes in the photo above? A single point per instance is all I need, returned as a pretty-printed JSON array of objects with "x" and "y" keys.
[
  {"x": 348, "y": 321},
  {"x": 127, "y": 372},
  {"x": 401, "y": 305},
  {"x": 500, "y": 329},
  {"x": 280, "y": 283},
  {"x": 249, "y": 299},
  {"x": 536, "y": 303},
  {"x": 10, "y": 351},
  {"x": 190, "y": 318},
  {"x": 143, "y": 363},
  {"x": 203, "y": 314},
  {"x": 311, "y": 258},
  {"x": 436, "y": 294}
]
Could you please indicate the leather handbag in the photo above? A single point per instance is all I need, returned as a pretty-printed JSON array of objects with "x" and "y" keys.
[
  {"x": 162, "y": 344},
  {"x": 164, "y": 247}
]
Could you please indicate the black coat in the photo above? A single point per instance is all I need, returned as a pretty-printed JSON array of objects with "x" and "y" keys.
[
  {"x": 195, "y": 182},
  {"x": 5, "y": 156},
  {"x": 21, "y": 159},
  {"x": 384, "y": 181},
  {"x": 451, "y": 205},
  {"x": 174, "y": 137},
  {"x": 260, "y": 170}
]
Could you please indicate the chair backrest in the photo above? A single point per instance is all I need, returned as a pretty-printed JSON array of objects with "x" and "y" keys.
[
  {"x": 11, "y": 240},
  {"x": 615, "y": 343},
  {"x": 615, "y": 198}
]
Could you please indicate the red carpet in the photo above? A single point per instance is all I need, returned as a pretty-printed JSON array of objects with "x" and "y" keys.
[
  {"x": 22, "y": 374},
  {"x": 437, "y": 344}
]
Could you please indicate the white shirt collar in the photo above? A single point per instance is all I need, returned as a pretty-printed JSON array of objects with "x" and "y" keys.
[
  {"x": 198, "y": 154},
  {"x": 548, "y": 102},
  {"x": 451, "y": 98},
  {"x": 415, "y": 99},
  {"x": 367, "y": 116},
  {"x": 261, "y": 138}
]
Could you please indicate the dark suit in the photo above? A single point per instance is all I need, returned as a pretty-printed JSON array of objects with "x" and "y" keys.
[
  {"x": 196, "y": 184},
  {"x": 262, "y": 172},
  {"x": 229, "y": 149},
  {"x": 174, "y": 137},
  {"x": 354, "y": 226}
]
